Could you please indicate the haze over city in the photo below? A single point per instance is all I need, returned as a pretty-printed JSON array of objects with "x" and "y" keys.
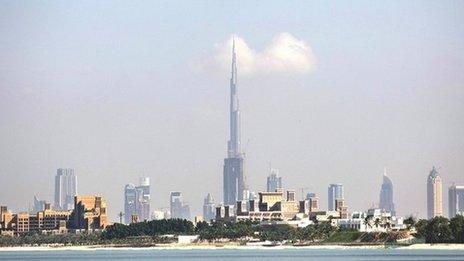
[{"x": 329, "y": 93}]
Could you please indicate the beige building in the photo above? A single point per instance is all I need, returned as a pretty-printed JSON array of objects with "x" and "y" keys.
[
  {"x": 46, "y": 221},
  {"x": 89, "y": 213},
  {"x": 272, "y": 206},
  {"x": 6, "y": 218},
  {"x": 434, "y": 195},
  {"x": 340, "y": 207}
]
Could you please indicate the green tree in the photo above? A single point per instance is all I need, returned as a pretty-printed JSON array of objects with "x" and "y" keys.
[
  {"x": 421, "y": 227},
  {"x": 377, "y": 222},
  {"x": 438, "y": 231},
  {"x": 278, "y": 232},
  {"x": 367, "y": 221},
  {"x": 457, "y": 229},
  {"x": 409, "y": 222}
]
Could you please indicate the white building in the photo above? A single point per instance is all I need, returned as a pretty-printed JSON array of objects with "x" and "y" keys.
[{"x": 374, "y": 220}]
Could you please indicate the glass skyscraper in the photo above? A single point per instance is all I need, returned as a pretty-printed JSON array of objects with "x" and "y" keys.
[
  {"x": 335, "y": 191},
  {"x": 273, "y": 181},
  {"x": 386, "y": 195},
  {"x": 65, "y": 189},
  {"x": 233, "y": 180},
  {"x": 456, "y": 200}
]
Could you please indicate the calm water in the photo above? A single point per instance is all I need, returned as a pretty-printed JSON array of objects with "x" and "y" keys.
[{"x": 233, "y": 254}]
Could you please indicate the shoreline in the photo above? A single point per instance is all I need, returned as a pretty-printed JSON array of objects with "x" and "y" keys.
[{"x": 459, "y": 247}]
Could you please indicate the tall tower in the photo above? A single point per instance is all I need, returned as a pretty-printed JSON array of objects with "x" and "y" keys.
[
  {"x": 335, "y": 191},
  {"x": 386, "y": 195},
  {"x": 456, "y": 200},
  {"x": 209, "y": 208},
  {"x": 130, "y": 203},
  {"x": 65, "y": 189},
  {"x": 273, "y": 181},
  {"x": 143, "y": 199},
  {"x": 233, "y": 180},
  {"x": 434, "y": 195}
]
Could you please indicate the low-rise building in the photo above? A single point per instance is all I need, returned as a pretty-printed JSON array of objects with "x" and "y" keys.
[
  {"x": 373, "y": 220},
  {"x": 271, "y": 206},
  {"x": 45, "y": 221}
]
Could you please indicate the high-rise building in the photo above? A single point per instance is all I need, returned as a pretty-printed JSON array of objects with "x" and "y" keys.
[
  {"x": 39, "y": 205},
  {"x": 233, "y": 179},
  {"x": 130, "y": 198},
  {"x": 273, "y": 181},
  {"x": 456, "y": 200},
  {"x": 335, "y": 191},
  {"x": 313, "y": 202},
  {"x": 137, "y": 201},
  {"x": 143, "y": 199},
  {"x": 386, "y": 195},
  {"x": 179, "y": 209},
  {"x": 434, "y": 194},
  {"x": 209, "y": 209},
  {"x": 65, "y": 189}
]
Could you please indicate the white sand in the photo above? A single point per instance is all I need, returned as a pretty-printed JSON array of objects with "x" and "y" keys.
[{"x": 211, "y": 247}]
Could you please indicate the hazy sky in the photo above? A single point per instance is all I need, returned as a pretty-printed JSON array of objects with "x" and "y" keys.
[{"x": 329, "y": 92}]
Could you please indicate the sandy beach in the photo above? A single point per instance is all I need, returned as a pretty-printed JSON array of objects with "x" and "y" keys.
[{"x": 213, "y": 247}]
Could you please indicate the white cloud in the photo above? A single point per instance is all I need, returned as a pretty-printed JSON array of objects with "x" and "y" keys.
[{"x": 284, "y": 54}]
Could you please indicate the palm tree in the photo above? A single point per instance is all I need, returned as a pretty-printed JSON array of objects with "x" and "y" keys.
[
  {"x": 120, "y": 215},
  {"x": 410, "y": 222},
  {"x": 377, "y": 222},
  {"x": 367, "y": 221},
  {"x": 387, "y": 225}
]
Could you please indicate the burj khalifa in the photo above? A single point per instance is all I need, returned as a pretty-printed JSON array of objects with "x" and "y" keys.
[{"x": 234, "y": 184}]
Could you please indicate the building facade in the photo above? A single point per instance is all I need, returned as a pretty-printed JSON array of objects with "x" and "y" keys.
[
  {"x": 130, "y": 198},
  {"x": 233, "y": 177},
  {"x": 279, "y": 205},
  {"x": 137, "y": 201},
  {"x": 143, "y": 199},
  {"x": 39, "y": 205},
  {"x": 273, "y": 181},
  {"x": 65, "y": 189},
  {"x": 386, "y": 195},
  {"x": 89, "y": 214},
  {"x": 179, "y": 209},
  {"x": 209, "y": 208},
  {"x": 46, "y": 221},
  {"x": 434, "y": 194},
  {"x": 313, "y": 202},
  {"x": 456, "y": 200},
  {"x": 335, "y": 191}
]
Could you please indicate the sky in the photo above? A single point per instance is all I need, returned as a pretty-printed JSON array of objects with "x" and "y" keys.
[{"x": 330, "y": 92}]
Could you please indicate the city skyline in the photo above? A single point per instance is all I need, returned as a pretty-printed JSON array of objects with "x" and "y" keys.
[{"x": 329, "y": 93}]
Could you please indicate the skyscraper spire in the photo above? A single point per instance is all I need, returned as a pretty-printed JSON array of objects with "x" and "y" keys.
[
  {"x": 234, "y": 180},
  {"x": 234, "y": 144}
]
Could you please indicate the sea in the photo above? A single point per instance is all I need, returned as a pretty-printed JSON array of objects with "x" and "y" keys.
[{"x": 236, "y": 254}]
